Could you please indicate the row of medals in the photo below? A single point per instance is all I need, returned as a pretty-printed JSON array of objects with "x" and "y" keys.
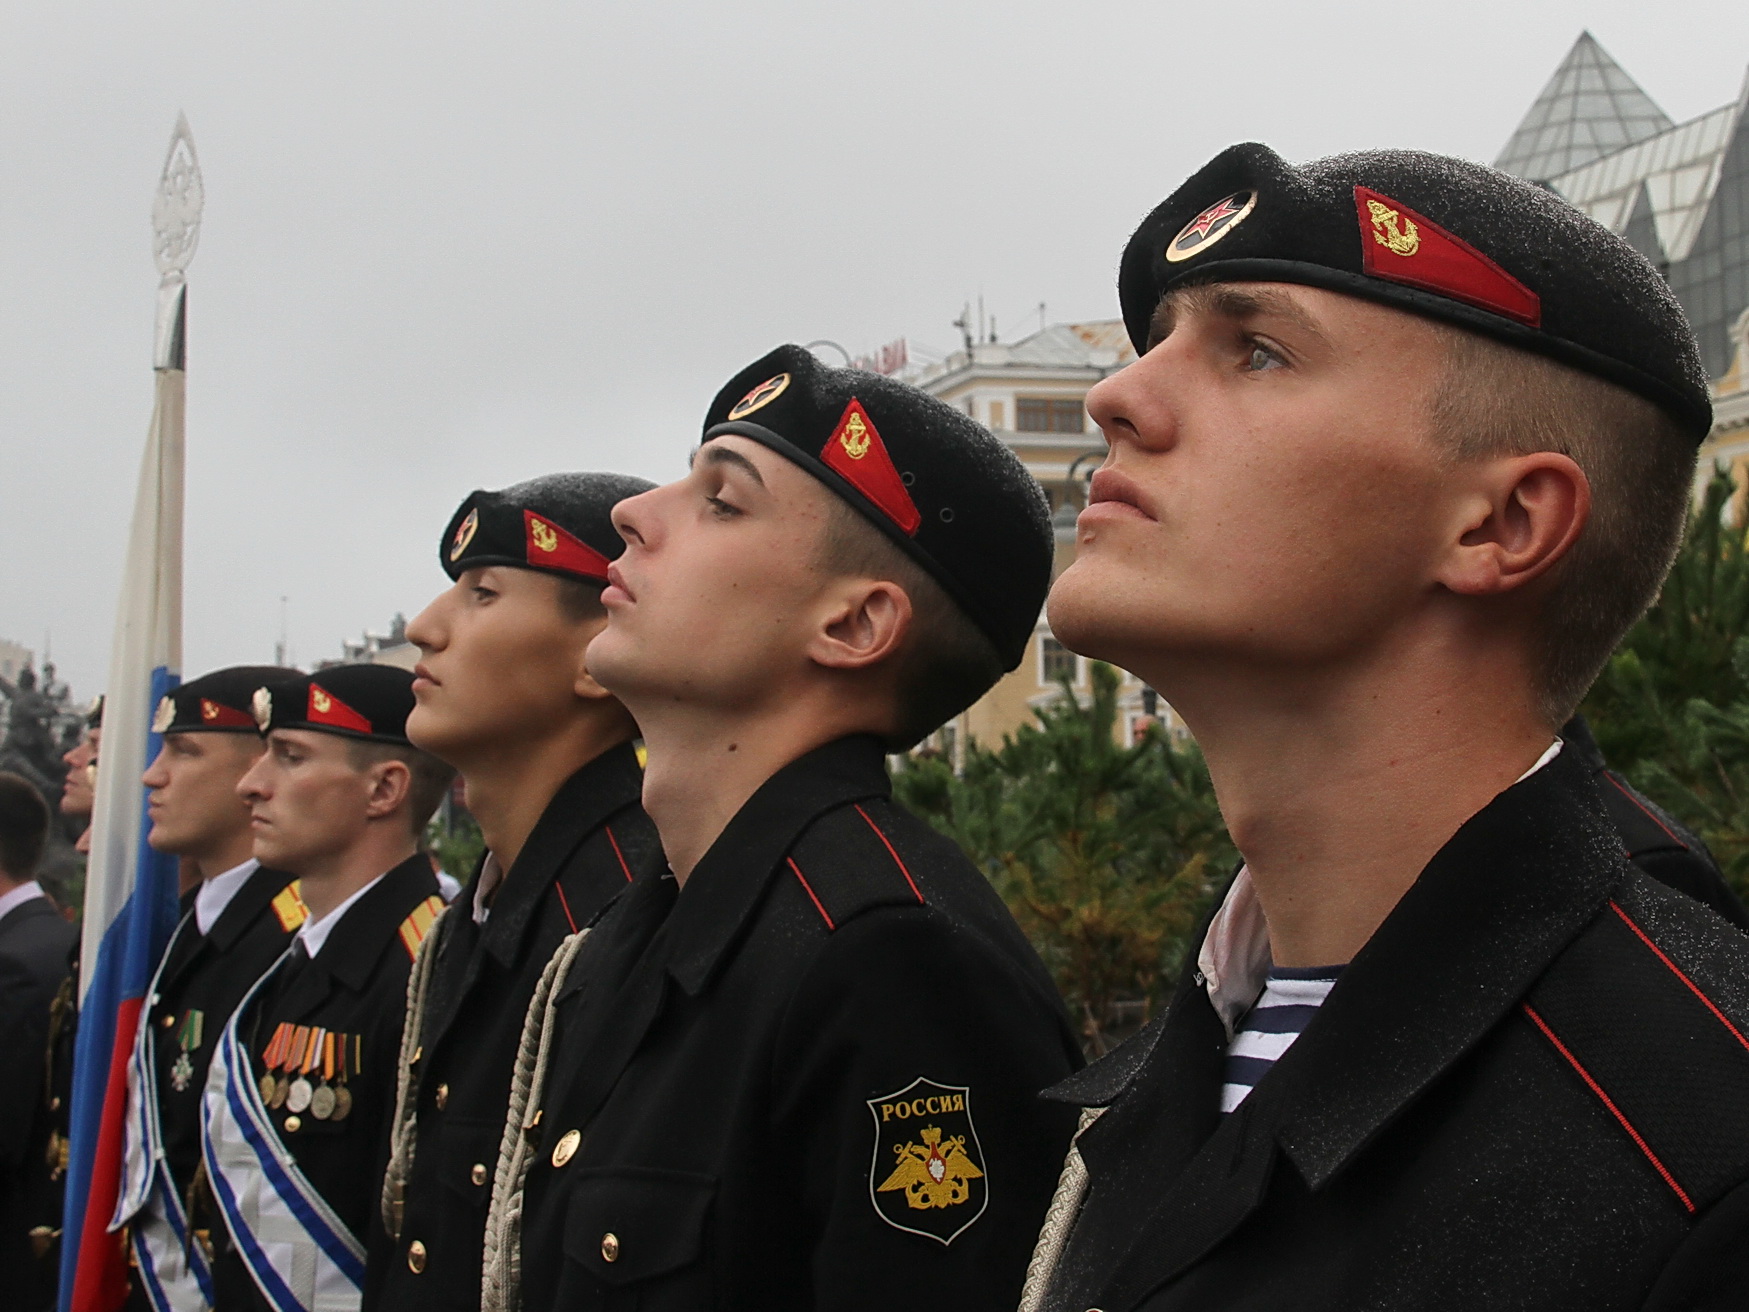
[{"x": 323, "y": 1100}]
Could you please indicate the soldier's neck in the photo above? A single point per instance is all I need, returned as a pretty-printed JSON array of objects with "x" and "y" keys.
[
  {"x": 1339, "y": 786},
  {"x": 510, "y": 787},
  {"x": 704, "y": 762},
  {"x": 325, "y": 883},
  {"x": 227, "y": 854}
]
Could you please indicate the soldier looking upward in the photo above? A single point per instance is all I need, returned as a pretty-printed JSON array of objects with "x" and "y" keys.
[
  {"x": 553, "y": 778},
  {"x": 1407, "y": 449},
  {"x": 802, "y": 1072}
]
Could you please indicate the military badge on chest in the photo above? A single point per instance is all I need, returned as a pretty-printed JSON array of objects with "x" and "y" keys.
[
  {"x": 188, "y": 1038},
  {"x": 927, "y": 1174}
]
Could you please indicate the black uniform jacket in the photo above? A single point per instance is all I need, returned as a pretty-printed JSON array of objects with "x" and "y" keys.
[
  {"x": 35, "y": 945},
  {"x": 210, "y": 973},
  {"x": 1654, "y": 840},
  {"x": 1530, "y": 1090},
  {"x": 591, "y": 841},
  {"x": 807, "y": 1081},
  {"x": 355, "y": 985}
]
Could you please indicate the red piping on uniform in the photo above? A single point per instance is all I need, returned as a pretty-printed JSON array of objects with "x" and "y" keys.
[
  {"x": 810, "y": 888},
  {"x": 872, "y": 825},
  {"x": 1615, "y": 1111},
  {"x": 565, "y": 903},
  {"x": 622, "y": 860},
  {"x": 1677, "y": 971},
  {"x": 1650, "y": 815}
]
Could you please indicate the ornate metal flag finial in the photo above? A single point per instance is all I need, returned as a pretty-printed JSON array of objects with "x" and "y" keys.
[
  {"x": 175, "y": 233},
  {"x": 176, "y": 208}
]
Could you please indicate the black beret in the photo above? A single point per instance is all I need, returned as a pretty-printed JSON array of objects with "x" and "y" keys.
[
  {"x": 559, "y": 524},
  {"x": 220, "y": 702},
  {"x": 1441, "y": 237},
  {"x": 94, "y": 713},
  {"x": 928, "y": 476},
  {"x": 371, "y": 702}
]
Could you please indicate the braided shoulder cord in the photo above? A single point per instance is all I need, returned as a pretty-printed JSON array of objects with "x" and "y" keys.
[
  {"x": 403, "y": 1130},
  {"x": 1059, "y": 1219},
  {"x": 501, "y": 1267}
]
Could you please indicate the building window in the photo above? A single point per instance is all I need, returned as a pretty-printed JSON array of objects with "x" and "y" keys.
[
  {"x": 1056, "y": 662},
  {"x": 998, "y": 415},
  {"x": 1048, "y": 414}
]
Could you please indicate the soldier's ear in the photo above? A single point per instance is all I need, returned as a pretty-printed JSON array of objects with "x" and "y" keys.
[
  {"x": 866, "y": 622},
  {"x": 389, "y": 783}
]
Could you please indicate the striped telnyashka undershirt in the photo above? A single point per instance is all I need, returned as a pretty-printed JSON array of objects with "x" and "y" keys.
[{"x": 1291, "y": 997}]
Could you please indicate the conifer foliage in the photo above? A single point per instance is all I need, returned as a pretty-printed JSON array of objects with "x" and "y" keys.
[
  {"x": 1107, "y": 854},
  {"x": 1671, "y": 709}
]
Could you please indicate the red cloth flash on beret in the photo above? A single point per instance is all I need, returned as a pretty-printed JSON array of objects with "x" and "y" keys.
[
  {"x": 1406, "y": 247},
  {"x": 221, "y": 716},
  {"x": 550, "y": 547},
  {"x": 326, "y": 708},
  {"x": 855, "y": 450}
]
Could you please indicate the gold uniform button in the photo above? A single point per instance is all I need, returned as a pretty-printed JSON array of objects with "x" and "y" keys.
[
  {"x": 566, "y": 1148},
  {"x": 442, "y": 1096},
  {"x": 168, "y": 1021},
  {"x": 478, "y": 1174},
  {"x": 293, "y": 1124},
  {"x": 610, "y": 1247},
  {"x": 415, "y": 1257}
]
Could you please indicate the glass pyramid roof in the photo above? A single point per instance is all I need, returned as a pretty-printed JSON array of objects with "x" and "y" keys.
[{"x": 1590, "y": 108}]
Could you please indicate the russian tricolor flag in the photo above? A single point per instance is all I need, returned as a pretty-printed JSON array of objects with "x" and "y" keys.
[{"x": 130, "y": 890}]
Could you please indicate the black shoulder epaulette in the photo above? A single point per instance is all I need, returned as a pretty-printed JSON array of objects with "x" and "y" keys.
[
  {"x": 847, "y": 863},
  {"x": 1644, "y": 826},
  {"x": 1649, "y": 1009}
]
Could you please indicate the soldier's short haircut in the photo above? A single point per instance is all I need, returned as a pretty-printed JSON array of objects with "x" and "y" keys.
[
  {"x": 947, "y": 662},
  {"x": 579, "y": 599},
  {"x": 24, "y": 826},
  {"x": 429, "y": 778},
  {"x": 1495, "y": 400}
]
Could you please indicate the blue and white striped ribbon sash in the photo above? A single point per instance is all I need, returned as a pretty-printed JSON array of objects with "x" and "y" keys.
[
  {"x": 301, "y": 1255},
  {"x": 173, "y": 1272}
]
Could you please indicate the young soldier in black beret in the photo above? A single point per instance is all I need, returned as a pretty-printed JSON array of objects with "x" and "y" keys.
[
  {"x": 35, "y": 941},
  {"x": 552, "y": 777},
  {"x": 299, "y": 1095},
  {"x": 802, "y": 1071},
  {"x": 1408, "y": 448},
  {"x": 236, "y": 922}
]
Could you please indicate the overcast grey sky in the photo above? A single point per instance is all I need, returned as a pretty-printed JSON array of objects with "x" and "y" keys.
[{"x": 450, "y": 246}]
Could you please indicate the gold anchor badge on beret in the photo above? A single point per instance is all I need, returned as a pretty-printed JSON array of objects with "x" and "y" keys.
[
  {"x": 1211, "y": 225},
  {"x": 464, "y": 534},
  {"x": 261, "y": 704},
  {"x": 1404, "y": 240},
  {"x": 544, "y": 537},
  {"x": 927, "y": 1174},
  {"x": 760, "y": 397},
  {"x": 854, "y": 436},
  {"x": 164, "y": 716}
]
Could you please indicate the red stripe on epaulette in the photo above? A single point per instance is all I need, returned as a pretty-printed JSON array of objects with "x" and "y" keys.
[
  {"x": 1614, "y": 1111},
  {"x": 565, "y": 905},
  {"x": 418, "y": 924},
  {"x": 621, "y": 855},
  {"x": 889, "y": 846},
  {"x": 1650, "y": 815},
  {"x": 1678, "y": 972},
  {"x": 810, "y": 891}
]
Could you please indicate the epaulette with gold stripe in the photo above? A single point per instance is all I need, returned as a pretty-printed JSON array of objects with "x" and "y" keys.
[
  {"x": 289, "y": 906},
  {"x": 417, "y": 925}
]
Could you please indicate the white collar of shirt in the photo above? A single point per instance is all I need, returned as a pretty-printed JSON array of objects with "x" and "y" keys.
[
  {"x": 315, "y": 932},
  {"x": 215, "y": 894},
  {"x": 1234, "y": 961},
  {"x": 491, "y": 875},
  {"x": 19, "y": 896}
]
